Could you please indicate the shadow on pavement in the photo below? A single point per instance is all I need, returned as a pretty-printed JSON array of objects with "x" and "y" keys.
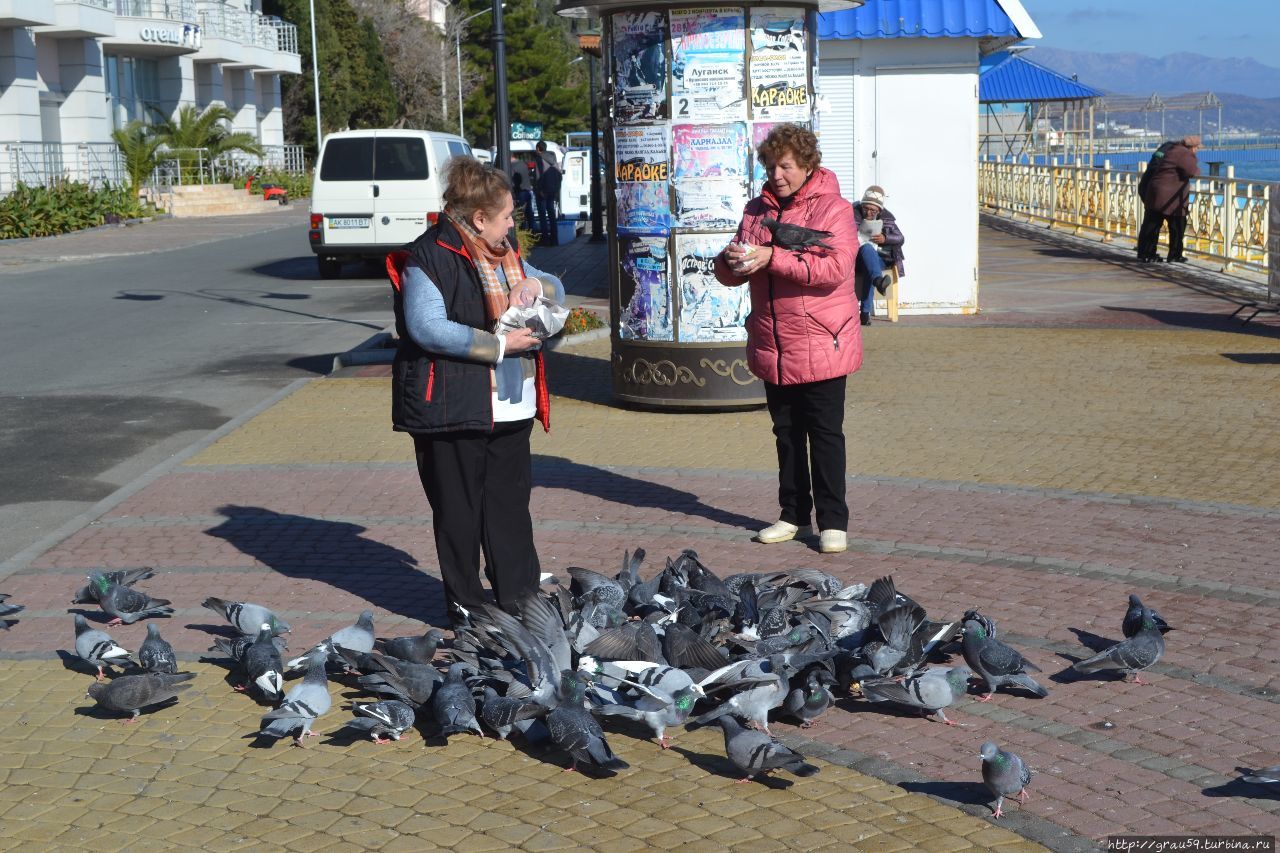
[
  {"x": 303, "y": 268},
  {"x": 579, "y": 377},
  {"x": 964, "y": 793},
  {"x": 1200, "y": 320},
  {"x": 1243, "y": 789},
  {"x": 335, "y": 552},
  {"x": 556, "y": 472},
  {"x": 1253, "y": 357}
]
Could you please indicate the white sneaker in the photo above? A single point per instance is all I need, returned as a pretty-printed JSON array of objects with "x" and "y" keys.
[
  {"x": 782, "y": 531},
  {"x": 833, "y": 541}
]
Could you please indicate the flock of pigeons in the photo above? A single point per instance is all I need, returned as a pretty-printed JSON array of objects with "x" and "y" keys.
[{"x": 740, "y": 649}]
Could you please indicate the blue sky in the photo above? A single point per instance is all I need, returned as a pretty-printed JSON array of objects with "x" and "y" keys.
[{"x": 1224, "y": 29}]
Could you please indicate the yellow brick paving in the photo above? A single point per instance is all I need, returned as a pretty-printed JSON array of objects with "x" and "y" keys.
[
  {"x": 1179, "y": 414},
  {"x": 187, "y": 776}
]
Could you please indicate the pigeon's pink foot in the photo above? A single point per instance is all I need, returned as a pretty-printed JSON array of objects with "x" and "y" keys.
[
  {"x": 807, "y": 724},
  {"x": 115, "y": 623},
  {"x": 130, "y": 721},
  {"x": 380, "y": 741},
  {"x": 572, "y": 768},
  {"x": 240, "y": 688},
  {"x": 985, "y": 697},
  {"x": 742, "y": 781},
  {"x": 1137, "y": 679},
  {"x": 998, "y": 813},
  {"x": 664, "y": 742},
  {"x": 101, "y": 677},
  {"x": 1023, "y": 795}
]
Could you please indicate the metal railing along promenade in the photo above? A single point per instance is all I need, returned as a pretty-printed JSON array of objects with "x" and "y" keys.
[
  {"x": 101, "y": 163},
  {"x": 1226, "y": 222}
]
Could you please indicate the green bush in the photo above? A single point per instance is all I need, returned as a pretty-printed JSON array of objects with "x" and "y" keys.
[
  {"x": 39, "y": 211},
  {"x": 297, "y": 186}
]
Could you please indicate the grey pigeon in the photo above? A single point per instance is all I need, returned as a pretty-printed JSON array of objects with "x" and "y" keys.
[
  {"x": 155, "y": 653},
  {"x": 574, "y": 730},
  {"x": 790, "y": 236},
  {"x": 504, "y": 713},
  {"x": 302, "y": 705},
  {"x": 1004, "y": 774},
  {"x": 262, "y": 664},
  {"x": 383, "y": 721},
  {"x": 755, "y": 753},
  {"x": 406, "y": 681},
  {"x": 245, "y": 617},
  {"x": 356, "y": 638},
  {"x": 97, "y": 648},
  {"x": 126, "y": 605},
  {"x": 656, "y": 709},
  {"x": 414, "y": 649},
  {"x": 7, "y": 610},
  {"x": 1139, "y": 652},
  {"x": 453, "y": 705},
  {"x": 88, "y": 594},
  {"x": 995, "y": 663},
  {"x": 131, "y": 693},
  {"x": 1265, "y": 776},
  {"x": 1132, "y": 623},
  {"x": 758, "y": 687},
  {"x": 931, "y": 690},
  {"x": 810, "y": 699},
  {"x": 234, "y": 647}
]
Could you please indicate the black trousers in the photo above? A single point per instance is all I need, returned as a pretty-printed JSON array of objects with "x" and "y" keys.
[
  {"x": 478, "y": 485},
  {"x": 808, "y": 424},
  {"x": 1149, "y": 234}
]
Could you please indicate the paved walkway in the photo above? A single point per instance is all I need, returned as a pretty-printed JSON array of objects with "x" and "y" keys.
[{"x": 1099, "y": 429}]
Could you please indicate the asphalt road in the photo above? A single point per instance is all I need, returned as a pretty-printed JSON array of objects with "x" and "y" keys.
[{"x": 114, "y": 364}]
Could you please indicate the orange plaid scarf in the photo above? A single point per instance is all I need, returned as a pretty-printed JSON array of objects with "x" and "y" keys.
[{"x": 486, "y": 260}]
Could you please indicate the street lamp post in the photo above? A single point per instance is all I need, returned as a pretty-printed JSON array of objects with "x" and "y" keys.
[
  {"x": 597, "y": 219},
  {"x": 503, "y": 153},
  {"x": 315, "y": 76},
  {"x": 457, "y": 47}
]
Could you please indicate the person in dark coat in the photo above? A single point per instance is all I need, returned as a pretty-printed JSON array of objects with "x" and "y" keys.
[
  {"x": 883, "y": 247},
  {"x": 1165, "y": 189},
  {"x": 467, "y": 392},
  {"x": 548, "y": 192}
]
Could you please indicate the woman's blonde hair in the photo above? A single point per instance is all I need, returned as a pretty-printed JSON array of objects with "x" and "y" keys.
[
  {"x": 791, "y": 138},
  {"x": 471, "y": 186}
]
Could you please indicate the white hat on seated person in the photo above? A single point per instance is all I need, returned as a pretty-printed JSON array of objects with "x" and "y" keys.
[{"x": 874, "y": 195}]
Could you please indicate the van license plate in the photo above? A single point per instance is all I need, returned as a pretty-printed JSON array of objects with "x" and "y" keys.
[{"x": 349, "y": 222}]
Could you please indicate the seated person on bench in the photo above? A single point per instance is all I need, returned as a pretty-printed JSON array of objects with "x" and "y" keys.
[{"x": 881, "y": 246}]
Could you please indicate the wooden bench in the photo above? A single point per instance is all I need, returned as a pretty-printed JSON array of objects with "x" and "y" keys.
[{"x": 886, "y": 305}]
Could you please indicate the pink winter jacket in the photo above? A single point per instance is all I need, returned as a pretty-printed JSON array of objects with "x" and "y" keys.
[{"x": 804, "y": 314}]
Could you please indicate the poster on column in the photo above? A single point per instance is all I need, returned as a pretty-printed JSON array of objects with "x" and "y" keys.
[
  {"x": 708, "y": 63},
  {"x": 643, "y": 209},
  {"x": 709, "y": 151},
  {"x": 709, "y": 205},
  {"x": 639, "y": 66},
  {"x": 645, "y": 290},
  {"x": 759, "y": 130},
  {"x": 779, "y": 65},
  {"x": 1273, "y": 248},
  {"x": 642, "y": 153},
  {"x": 709, "y": 311}
]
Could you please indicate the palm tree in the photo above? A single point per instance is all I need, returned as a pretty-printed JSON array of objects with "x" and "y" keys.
[
  {"x": 138, "y": 146},
  {"x": 191, "y": 129}
]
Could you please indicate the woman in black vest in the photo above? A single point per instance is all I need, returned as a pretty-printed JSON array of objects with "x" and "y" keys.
[{"x": 467, "y": 395}]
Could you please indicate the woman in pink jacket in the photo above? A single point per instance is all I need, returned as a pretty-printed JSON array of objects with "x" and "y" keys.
[{"x": 803, "y": 336}]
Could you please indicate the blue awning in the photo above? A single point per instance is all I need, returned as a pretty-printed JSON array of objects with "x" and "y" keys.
[
  {"x": 891, "y": 19},
  {"x": 1012, "y": 78}
]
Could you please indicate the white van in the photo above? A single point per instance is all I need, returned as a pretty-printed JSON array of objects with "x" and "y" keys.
[{"x": 375, "y": 191}]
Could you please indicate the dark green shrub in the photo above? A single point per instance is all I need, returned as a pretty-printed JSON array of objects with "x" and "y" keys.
[{"x": 40, "y": 211}]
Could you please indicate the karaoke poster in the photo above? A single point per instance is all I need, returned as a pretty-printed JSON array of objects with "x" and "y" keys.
[
  {"x": 779, "y": 72},
  {"x": 642, "y": 153}
]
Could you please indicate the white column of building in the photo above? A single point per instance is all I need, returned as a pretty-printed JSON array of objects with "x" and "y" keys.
[
  {"x": 210, "y": 84},
  {"x": 19, "y": 88},
  {"x": 270, "y": 110},
  {"x": 84, "y": 110},
  {"x": 243, "y": 102},
  {"x": 177, "y": 83}
]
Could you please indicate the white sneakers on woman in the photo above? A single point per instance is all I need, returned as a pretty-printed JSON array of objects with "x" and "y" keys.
[
  {"x": 833, "y": 541},
  {"x": 829, "y": 541},
  {"x": 782, "y": 531}
]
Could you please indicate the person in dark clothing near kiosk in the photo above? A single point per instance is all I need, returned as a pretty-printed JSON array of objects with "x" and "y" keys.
[
  {"x": 1165, "y": 189},
  {"x": 547, "y": 188},
  {"x": 882, "y": 249},
  {"x": 521, "y": 192},
  {"x": 468, "y": 395}
]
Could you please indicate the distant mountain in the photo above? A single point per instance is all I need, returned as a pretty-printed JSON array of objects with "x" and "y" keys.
[
  {"x": 1135, "y": 74},
  {"x": 1249, "y": 90}
]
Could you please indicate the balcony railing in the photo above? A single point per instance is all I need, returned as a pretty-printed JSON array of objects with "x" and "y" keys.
[
  {"x": 220, "y": 21},
  {"x": 168, "y": 10},
  {"x": 1226, "y": 222},
  {"x": 96, "y": 4},
  {"x": 286, "y": 35}
]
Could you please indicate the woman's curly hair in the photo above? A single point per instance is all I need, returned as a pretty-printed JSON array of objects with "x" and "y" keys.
[
  {"x": 471, "y": 185},
  {"x": 793, "y": 139}
]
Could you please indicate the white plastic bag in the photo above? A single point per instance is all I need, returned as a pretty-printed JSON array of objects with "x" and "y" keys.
[{"x": 544, "y": 318}]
